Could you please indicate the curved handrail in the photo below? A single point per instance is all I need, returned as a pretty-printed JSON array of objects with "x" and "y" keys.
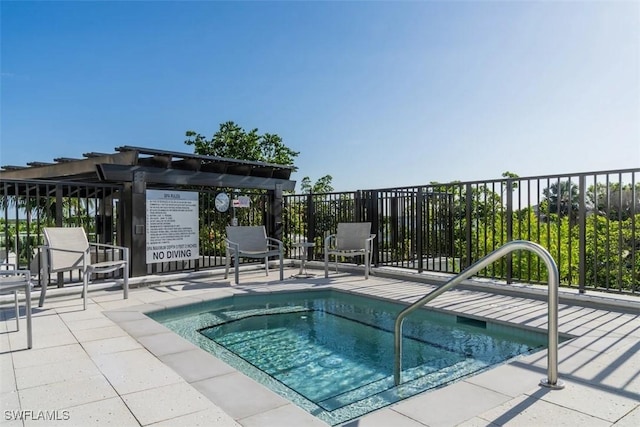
[{"x": 552, "y": 329}]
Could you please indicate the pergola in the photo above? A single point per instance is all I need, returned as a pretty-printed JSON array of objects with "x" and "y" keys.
[{"x": 137, "y": 169}]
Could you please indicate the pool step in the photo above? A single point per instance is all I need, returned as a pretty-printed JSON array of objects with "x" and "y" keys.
[{"x": 418, "y": 380}]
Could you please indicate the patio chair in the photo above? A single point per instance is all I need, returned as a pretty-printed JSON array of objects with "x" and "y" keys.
[
  {"x": 67, "y": 249},
  {"x": 7, "y": 259},
  {"x": 12, "y": 281},
  {"x": 251, "y": 242},
  {"x": 352, "y": 239}
]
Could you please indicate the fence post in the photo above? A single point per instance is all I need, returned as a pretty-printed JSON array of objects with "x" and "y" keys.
[
  {"x": 582, "y": 234},
  {"x": 419, "y": 209},
  {"x": 311, "y": 226},
  {"x": 509, "y": 219},
  {"x": 358, "y": 214},
  {"x": 374, "y": 208},
  {"x": 469, "y": 203},
  {"x": 276, "y": 212},
  {"x": 137, "y": 224}
]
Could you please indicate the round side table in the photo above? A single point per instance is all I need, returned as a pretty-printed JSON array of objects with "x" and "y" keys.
[{"x": 302, "y": 274}]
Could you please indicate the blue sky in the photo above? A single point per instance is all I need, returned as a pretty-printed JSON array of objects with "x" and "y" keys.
[{"x": 376, "y": 94}]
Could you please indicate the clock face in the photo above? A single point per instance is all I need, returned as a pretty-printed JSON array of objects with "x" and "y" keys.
[{"x": 222, "y": 202}]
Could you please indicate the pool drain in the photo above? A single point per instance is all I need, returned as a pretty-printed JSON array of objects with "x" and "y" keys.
[{"x": 331, "y": 362}]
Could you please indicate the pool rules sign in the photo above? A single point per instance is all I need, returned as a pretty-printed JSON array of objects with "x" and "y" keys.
[{"x": 172, "y": 226}]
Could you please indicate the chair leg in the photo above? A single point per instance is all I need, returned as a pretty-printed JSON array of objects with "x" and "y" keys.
[
  {"x": 366, "y": 265},
  {"x": 15, "y": 297},
  {"x": 236, "y": 265},
  {"x": 281, "y": 267},
  {"x": 125, "y": 283},
  {"x": 43, "y": 289},
  {"x": 226, "y": 265},
  {"x": 85, "y": 286},
  {"x": 266, "y": 265},
  {"x": 326, "y": 263}
]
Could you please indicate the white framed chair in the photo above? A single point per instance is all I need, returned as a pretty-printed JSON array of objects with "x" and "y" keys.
[
  {"x": 352, "y": 239},
  {"x": 68, "y": 249},
  {"x": 251, "y": 242},
  {"x": 12, "y": 281}
]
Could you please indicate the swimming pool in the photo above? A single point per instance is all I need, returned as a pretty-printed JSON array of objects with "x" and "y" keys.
[{"x": 331, "y": 352}]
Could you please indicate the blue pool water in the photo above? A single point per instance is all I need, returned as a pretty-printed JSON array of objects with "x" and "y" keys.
[{"x": 332, "y": 353}]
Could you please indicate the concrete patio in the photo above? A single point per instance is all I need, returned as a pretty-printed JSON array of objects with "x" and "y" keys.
[{"x": 111, "y": 365}]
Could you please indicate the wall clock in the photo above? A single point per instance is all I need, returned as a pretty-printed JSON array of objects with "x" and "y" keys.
[{"x": 222, "y": 202}]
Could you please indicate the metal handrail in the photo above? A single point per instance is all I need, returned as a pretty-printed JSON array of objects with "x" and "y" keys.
[{"x": 552, "y": 330}]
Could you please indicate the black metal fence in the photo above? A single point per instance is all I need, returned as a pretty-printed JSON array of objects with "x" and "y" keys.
[
  {"x": 589, "y": 222},
  {"x": 29, "y": 206},
  {"x": 212, "y": 229}
]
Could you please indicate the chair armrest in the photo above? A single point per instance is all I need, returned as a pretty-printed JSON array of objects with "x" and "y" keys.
[
  {"x": 123, "y": 249},
  {"x": 8, "y": 264},
  {"x": 106, "y": 245},
  {"x": 52, "y": 248},
  {"x": 271, "y": 241},
  {"x": 16, "y": 272},
  {"x": 232, "y": 245},
  {"x": 328, "y": 239}
]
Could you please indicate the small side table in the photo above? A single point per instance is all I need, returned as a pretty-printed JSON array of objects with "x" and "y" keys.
[
  {"x": 12, "y": 281},
  {"x": 302, "y": 274}
]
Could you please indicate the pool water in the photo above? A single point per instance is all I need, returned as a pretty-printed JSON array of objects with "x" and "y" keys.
[{"x": 332, "y": 353}]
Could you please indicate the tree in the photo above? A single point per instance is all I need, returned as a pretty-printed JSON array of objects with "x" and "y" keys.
[
  {"x": 562, "y": 198},
  {"x": 322, "y": 185},
  {"x": 512, "y": 176},
  {"x": 615, "y": 201},
  {"x": 233, "y": 142}
]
